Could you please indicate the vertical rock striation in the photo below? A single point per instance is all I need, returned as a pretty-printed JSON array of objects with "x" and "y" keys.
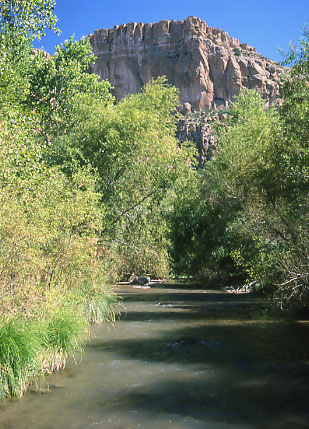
[{"x": 207, "y": 65}]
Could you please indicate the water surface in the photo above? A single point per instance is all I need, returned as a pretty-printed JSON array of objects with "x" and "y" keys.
[{"x": 179, "y": 357}]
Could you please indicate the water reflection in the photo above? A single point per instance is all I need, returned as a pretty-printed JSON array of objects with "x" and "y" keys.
[{"x": 179, "y": 358}]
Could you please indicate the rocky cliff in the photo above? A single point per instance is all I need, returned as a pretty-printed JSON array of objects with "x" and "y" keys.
[{"x": 206, "y": 64}]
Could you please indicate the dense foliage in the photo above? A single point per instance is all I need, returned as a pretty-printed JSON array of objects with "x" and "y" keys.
[
  {"x": 247, "y": 218},
  {"x": 85, "y": 184},
  {"x": 31, "y": 17}
]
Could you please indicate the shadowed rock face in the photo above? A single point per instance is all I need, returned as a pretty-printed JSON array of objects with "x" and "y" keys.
[{"x": 207, "y": 65}]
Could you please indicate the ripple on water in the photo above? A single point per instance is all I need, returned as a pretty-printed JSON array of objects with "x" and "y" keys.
[{"x": 179, "y": 359}]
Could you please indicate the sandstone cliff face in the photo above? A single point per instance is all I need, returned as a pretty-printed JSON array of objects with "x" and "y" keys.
[{"x": 207, "y": 65}]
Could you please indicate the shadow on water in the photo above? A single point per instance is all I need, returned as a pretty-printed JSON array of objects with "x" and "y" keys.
[
  {"x": 223, "y": 399},
  {"x": 250, "y": 366},
  {"x": 181, "y": 358}
]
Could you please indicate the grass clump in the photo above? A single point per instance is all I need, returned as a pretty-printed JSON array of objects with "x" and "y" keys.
[
  {"x": 63, "y": 332},
  {"x": 40, "y": 344},
  {"x": 62, "y": 335},
  {"x": 99, "y": 304},
  {"x": 102, "y": 308},
  {"x": 19, "y": 349}
]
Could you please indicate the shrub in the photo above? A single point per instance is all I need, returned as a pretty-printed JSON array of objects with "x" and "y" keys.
[{"x": 237, "y": 52}]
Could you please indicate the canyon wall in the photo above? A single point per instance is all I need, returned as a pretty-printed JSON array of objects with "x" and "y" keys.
[{"x": 207, "y": 65}]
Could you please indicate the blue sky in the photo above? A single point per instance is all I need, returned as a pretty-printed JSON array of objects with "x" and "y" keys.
[{"x": 266, "y": 24}]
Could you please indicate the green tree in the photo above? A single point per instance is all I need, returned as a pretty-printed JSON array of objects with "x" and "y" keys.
[
  {"x": 295, "y": 90},
  {"x": 49, "y": 221},
  {"x": 30, "y": 17},
  {"x": 132, "y": 147},
  {"x": 240, "y": 176},
  {"x": 250, "y": 209},
  {"x": 56, "y": 82},
  {"x": 294, "y": 265},
  {"x": 15, "y": 54},
  {"x": 20, "y": 22}
]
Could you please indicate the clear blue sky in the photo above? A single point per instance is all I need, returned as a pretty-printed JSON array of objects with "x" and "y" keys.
[{"x": 266, "y": 24}]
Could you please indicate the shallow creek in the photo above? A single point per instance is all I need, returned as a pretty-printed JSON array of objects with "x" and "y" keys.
[{"x": 179, "y": 357}]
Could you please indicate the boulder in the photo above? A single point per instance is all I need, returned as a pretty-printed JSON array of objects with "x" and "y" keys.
[{"x": 140, "y": 280}]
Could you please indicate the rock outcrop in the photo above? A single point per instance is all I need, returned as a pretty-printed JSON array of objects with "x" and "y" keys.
[
  {"x": 198, "y": 127},
  {"x": 207, "y": 65},
  {"x": 36, "y": 51}
]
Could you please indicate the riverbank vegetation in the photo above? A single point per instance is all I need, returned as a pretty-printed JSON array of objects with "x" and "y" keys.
[
  {"x": 85, "y": 184},
  {"x": 250, "y": 218},
  {"x": 93, "y": 190}
]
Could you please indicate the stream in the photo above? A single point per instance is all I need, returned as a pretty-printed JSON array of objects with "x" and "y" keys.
[{"x": 180, "y": 357}]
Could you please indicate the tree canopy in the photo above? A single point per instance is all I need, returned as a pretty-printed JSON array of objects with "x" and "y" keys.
[{"x": 28, "y": 16}]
